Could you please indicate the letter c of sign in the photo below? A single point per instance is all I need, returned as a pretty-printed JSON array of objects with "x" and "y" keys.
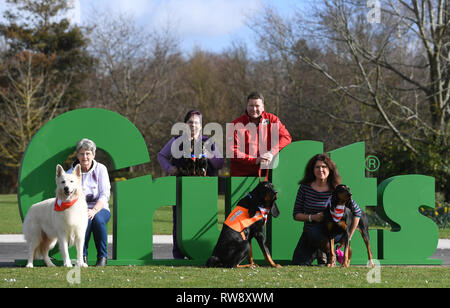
[{"x": 57, "y": 139}]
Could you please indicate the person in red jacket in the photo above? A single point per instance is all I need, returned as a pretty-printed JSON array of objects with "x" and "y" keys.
[{"x": 255, "y": 138}]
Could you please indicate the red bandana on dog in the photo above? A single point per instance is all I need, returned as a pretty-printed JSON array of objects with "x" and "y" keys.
[
  {"x": 338, "y": 213},
  {"x": 264, "y": 212},
  {"x": 62, "y": 206}
]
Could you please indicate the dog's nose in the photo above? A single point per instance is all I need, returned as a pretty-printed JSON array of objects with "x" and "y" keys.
[{"x": 66, "y": 189}]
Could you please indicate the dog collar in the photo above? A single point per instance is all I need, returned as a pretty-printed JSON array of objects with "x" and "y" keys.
[
  {"x": 62, "y": 206},
  {"x": 338, "y": 212},
  {"x": 264, "y": 212}
]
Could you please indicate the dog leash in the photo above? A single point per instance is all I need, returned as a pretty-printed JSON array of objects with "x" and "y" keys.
[{"x": 266, "y": 177}]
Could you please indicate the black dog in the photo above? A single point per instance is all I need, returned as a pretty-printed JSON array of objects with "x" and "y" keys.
[
  {"x": 245, "y": 222},
  {"x": 191, "y": 163},
  {"x": 201, "y": 165},
  {"x": 338, "y": 221}
]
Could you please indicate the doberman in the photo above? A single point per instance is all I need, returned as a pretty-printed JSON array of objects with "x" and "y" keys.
[
  {"x": 245, "y": 222},
  {"x": 338, "y": 221}
]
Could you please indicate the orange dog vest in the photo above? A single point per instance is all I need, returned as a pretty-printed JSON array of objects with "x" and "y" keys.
[{"x": 239, "y": 219}]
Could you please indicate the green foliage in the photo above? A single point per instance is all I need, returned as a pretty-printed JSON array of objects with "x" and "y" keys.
[
  {"x": 440, "y": 214},
  {"x": 37, "y": 27},
  {"x": 433, "y": 160},
  {"x": 42, "y": 69}
]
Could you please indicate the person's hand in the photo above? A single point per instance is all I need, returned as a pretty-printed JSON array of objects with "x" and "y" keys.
[
  {"x": 91, "y": 213},
  {"x": 264, "y": 159},
  {"x": 268, "y": 157},
  {"x": 173, "y": 171},
  {"x": 319, "y": 217}
]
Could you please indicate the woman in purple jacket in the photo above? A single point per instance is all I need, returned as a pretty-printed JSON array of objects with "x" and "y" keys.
[{"x": 171, "y": 164}]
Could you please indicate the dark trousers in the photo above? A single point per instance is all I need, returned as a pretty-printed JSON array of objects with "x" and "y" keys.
[
  {"x": 97, "y": 226},
  {"x": 313, "y": 238},
  {"x": 176, "y": 251},
  {"x": 307, "y": 249}
]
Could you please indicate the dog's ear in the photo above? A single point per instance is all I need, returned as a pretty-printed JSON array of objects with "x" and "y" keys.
[
  {"x": 349, "y": 203},
  {"x": 333, "y": 199},
  {"x": 77, "y": 170},
  {"x": 274, "y": 210},
  {"x": 59, "y": 170}
]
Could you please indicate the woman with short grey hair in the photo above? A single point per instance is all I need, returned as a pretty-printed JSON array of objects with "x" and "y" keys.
[
  {"x": 96, "y": 187},
  {"x": 87, "y": 145}
]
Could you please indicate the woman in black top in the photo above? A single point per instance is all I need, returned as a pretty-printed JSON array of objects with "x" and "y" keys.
[{"x": 321, "y": 177}]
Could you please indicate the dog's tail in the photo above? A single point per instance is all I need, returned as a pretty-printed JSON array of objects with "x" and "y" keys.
[
  {"x": 214, "y": 262},
  {"x": 45, "y": 246}
]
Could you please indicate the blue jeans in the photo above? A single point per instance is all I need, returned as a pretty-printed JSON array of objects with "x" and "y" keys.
[{"x": 98, "y": 227}]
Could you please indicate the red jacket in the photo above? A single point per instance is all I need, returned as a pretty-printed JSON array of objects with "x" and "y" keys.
[{"x": 240, "y": 135}]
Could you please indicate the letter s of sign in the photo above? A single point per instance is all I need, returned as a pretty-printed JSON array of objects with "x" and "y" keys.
[
  {"x": 414, "y": 237},
  {"x": 123, "y": 142}
]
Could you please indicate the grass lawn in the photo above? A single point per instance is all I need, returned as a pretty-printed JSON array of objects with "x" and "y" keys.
[
  {"x": 10, "y": 222},
  {"x": 199, "y": 277}
]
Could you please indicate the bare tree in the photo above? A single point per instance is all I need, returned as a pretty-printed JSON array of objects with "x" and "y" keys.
[
  {"x": 132, "y": 65},
  {"x": 412, "y": 38},
  {"x": 136, "y": 75},
  {"x": 387, "y": 71},
  {"x": 27, "y": 103}
]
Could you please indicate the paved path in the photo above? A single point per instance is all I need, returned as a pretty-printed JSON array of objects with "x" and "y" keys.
[{"x": 13, "y": 247}]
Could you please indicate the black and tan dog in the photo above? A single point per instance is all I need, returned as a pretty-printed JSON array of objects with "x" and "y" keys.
[
  {"x": 193, "y": 166},
  {"x": 245, "y": 222},
  {"x": 338, "y": 221}
]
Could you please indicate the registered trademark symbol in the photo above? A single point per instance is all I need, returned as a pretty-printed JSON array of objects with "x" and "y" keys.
[{"x": 372, "y": 163}]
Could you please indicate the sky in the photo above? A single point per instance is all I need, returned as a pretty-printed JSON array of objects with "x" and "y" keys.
[{"x": 208, "y": 24}]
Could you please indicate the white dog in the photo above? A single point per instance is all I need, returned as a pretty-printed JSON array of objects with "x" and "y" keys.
[{"x": 63, "y": 219}]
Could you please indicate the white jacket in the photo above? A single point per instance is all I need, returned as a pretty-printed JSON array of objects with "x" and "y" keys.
[{"x": 96, "y": 184}]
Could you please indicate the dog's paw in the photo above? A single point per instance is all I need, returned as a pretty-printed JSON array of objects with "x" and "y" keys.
[
  {"x": 82, "y": 264},
  {"x": 68, "y": 264},
  {"x": 48, "y": 262},
  {"x": 29, "y": 265}
]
